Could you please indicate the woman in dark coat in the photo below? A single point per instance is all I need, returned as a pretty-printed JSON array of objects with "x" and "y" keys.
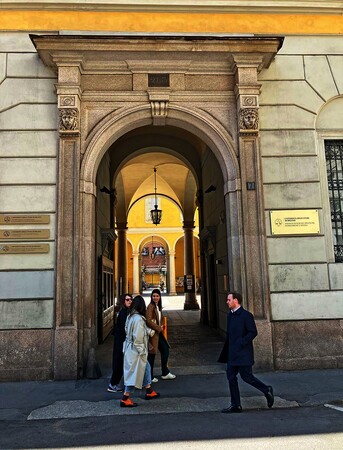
[
  {"x": 116, "y": 383},
  {"x": 154, "y": 320}
]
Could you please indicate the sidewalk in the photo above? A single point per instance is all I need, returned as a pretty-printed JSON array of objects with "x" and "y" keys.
[{"x": 200, "y": 386}]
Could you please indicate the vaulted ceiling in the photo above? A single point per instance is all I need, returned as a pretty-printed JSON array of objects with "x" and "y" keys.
[{"x": 176, "y": 156}]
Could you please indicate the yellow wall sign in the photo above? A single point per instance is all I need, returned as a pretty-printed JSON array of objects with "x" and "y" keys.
[
  {"x": 9, "y": 235},
  {"x": 300, "y": 221},
  {"x": 24, "y": 219},
  {"x": 23, "y": 248}
]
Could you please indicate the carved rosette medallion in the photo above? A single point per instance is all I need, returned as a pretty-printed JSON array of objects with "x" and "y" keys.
[
  {"x": 68, "y": 121},
  {"x": 249, "y": 101},
  {"x": 248, "y": 121},
  {"x": 68, "y": 100}
]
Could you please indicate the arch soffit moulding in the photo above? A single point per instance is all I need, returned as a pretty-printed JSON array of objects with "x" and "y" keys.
[
  {"x": 147, "y": 149},
  {"x": 197, "y": 122},
  {"x": 152, "y": 194},
  {"x": 130, "y": 152},
  {"x": 184, "y": 204}
]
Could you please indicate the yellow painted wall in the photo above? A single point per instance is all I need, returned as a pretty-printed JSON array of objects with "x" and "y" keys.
[
  {"x": 129, "y": 267},
  {"x": 169, "y": 231},
  {"x": 156, "y": 22},
  {"x": 179, "y": 260},
  {"x": 171, "y": 216}
]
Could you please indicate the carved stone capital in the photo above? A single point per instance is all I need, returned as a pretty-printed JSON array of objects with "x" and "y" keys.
[
  {"x": 232, "y": 186},
  {"x": 69, "y": 122},
  {"x": 108, "y": 236},
  {"x": 188, "y": 224},
  {"x": 248, "y": 121}
]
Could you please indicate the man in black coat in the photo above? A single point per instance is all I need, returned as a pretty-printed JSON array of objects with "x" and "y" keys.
[{"x": 238, "y": 352}]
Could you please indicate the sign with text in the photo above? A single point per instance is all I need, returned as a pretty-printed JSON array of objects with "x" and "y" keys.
[
  {"x": 158, "y": 80},
  {"x": 7, "y": 249},
  {"x": 24, "y": 234},
  {"x": 189, "y": 285},
  {"x": 300, "y": 221},
  {"x": 24, "y": 219}
]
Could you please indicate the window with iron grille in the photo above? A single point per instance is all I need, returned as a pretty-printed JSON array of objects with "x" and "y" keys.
[{"x": 334, "y": 167}]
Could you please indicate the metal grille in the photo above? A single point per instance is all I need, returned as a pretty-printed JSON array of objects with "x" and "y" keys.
[{"x": 334, "y": 167}]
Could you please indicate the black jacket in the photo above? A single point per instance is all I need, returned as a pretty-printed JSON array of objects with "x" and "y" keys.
[
  {"x": 119, "y": 328},
  {"x": 241, "y": 331}
]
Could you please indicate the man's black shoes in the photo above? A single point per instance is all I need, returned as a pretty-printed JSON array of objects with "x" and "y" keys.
[
  {"x": 232, "y": 410},
  {"x": 270, "y": 397}
]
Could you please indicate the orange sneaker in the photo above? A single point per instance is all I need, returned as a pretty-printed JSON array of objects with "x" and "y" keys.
[
  {"x": 128, "y": 403},
  {"x": 152, "y": 395}
]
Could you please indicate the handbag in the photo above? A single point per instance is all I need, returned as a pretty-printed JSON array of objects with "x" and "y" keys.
[{"x": 165, "y": 328}]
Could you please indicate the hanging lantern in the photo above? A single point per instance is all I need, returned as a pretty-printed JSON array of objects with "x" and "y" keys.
[{"x": 156, "y": 214}]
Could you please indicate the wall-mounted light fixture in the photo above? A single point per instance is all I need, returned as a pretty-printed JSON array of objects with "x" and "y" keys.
[{"x": 211, "y": 188}]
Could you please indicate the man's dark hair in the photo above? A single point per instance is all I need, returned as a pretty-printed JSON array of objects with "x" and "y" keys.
[
  {"x": 236, "y": 295},
  {"x": 138, "y": 305}
]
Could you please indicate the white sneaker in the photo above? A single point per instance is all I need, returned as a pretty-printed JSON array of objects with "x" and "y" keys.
[
  {"x": 154, "y": 380},
  {"x": 169, "y": 376}
]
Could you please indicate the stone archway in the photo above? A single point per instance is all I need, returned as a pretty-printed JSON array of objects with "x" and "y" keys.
[
  {"x": 106, "y": 133},
  {"x": 236, "y": 63}
]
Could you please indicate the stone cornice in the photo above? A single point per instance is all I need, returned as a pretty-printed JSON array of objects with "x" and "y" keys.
[
  {"x": 107, "y": 48},
  {"x": 199, "y": 6}
]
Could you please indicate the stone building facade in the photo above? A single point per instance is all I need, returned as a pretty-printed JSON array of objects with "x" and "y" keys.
[{"x": 257, "y": 120}]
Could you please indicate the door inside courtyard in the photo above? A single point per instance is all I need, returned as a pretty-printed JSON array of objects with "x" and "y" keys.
[{"x": 185, "y": 254}]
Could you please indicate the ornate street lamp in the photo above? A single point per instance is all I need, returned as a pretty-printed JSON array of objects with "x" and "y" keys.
[{"x": 156, "y": 214}]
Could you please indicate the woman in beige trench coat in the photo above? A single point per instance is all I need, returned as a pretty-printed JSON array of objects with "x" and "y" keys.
[
  {"x": 158, "y": 342},
  {"x": 137, "y": 372}
]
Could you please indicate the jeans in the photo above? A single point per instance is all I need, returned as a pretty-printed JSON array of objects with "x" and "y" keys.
[
  {"x": 146, "y": 379},
  {"x": 163, "y": 348}
]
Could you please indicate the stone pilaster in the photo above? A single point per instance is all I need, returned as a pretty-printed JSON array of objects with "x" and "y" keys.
[
  {"x": 122, "y": 259},
  {"x": 67, "y": 261},
  {"x": 171, "y": 272},
  {"x": 136, "y": 271},
  {"x": 190, "y": 297},
  {"x": 255, "y": 266}
]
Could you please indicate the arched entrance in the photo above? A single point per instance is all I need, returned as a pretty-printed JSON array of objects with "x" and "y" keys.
[
  {"x": 224, "y": 170},
  {"x": 108, "y": 88}
]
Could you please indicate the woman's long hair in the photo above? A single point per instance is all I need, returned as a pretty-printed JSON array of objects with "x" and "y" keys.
[
  {"x": 138, "y": 305},
  {"x": 159, "y": 304}
]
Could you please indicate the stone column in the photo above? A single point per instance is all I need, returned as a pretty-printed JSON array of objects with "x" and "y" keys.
[
  {"x": 136, "y": 273},
  {"x": 247, "y": 94},
  {"x": 66, "y": 354},
  {"x": 190, "y": 298},
  {"x": 122, "y": 259},
  {"x": 171, "y": 272},
  {"x": 87, "y": 264}
]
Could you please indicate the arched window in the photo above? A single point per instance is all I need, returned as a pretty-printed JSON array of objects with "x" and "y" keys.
[
  {"x": 334, "y": 168},
  {"x": 329, "y": 126}
]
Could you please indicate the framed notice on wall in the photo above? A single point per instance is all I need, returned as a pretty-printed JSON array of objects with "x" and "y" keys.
[{"x": 294, "y": 221}]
